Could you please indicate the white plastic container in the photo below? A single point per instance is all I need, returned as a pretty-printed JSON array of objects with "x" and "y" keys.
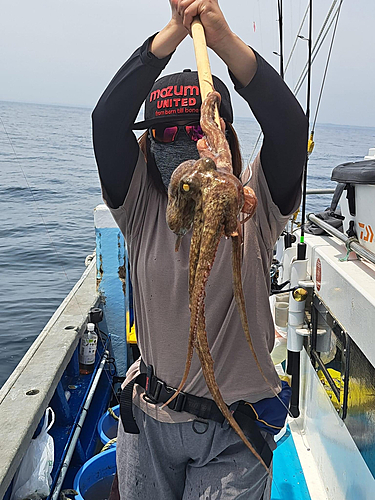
[
  {"x": 364, "y": 218},
  {"x": 87, "y": 352},
  {"x": 357, "y": 200}
]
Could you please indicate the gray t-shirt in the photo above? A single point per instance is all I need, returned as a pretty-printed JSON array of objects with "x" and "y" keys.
[{"x": 159, "y": 277}]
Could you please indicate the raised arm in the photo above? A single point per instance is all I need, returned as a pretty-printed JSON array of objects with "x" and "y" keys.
[
  {"x": 278, "y": 112},
  {"x": 115, "y": 145},
  {"x": 284, "y": 126}
]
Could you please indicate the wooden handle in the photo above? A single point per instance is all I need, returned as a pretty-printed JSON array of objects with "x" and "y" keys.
[{"x": 203, "y": 63}]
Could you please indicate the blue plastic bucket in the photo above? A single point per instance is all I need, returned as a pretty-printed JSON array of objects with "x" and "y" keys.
[
  {"x": 94, "y": 479},
  {"x": 107, "y": 425}
]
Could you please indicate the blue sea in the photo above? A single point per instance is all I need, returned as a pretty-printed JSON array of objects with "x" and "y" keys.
[{"x": 49, "y": 187}]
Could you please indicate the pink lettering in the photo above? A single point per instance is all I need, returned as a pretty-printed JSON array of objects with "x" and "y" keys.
[
  {"x": 191, "y": 89},
  {"x": 167, "y": 103},
  {"x": 180, "y": 92},
  {"x": 154, "y": 95}
]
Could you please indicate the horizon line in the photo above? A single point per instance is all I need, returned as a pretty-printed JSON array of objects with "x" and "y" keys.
[{"x": 85, "y": 106}]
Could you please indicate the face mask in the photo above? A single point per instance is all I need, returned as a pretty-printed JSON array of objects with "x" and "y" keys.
[{"x": 169, "y": 156}]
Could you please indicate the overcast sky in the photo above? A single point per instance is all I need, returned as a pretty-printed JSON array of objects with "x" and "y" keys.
[{"x": 66, "y": 51}]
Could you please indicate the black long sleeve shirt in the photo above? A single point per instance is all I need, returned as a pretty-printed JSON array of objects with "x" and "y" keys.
[{"x": 279, "y": 114}]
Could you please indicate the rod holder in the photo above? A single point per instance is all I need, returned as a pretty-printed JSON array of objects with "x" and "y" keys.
[{"x": 298, "y": 272}]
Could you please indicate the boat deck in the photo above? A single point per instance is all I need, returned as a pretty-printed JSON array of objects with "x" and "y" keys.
[{"x": 289, "y": 481}]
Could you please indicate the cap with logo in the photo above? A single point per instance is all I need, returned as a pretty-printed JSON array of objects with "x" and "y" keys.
[{"x": 177, "y": 97}]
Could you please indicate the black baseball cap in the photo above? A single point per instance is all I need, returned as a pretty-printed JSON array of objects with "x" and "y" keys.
[{"x": 177, "y": 97}]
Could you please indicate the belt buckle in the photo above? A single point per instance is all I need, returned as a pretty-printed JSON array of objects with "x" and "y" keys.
[
  {"x": 153, "y": 398},
  {"x": 178, "y": 403}
]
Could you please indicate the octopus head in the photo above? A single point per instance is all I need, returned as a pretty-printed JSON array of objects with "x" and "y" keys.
[
  {"x": 205, "y": 164},
  {"x": 188, "y": 180},
  {"x": 184, "y": 193},
  {"x": 180, "y": 207}
]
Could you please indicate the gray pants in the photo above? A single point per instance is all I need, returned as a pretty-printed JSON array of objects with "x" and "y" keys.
[{"x": 197, "y": 460}]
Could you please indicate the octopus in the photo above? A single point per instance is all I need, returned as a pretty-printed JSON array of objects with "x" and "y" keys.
[{"x": 205, "y": 196}]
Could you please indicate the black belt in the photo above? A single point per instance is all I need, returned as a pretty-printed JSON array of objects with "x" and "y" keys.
[{"x": 158, "y": 391}]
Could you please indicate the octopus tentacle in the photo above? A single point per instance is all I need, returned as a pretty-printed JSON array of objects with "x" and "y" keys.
[
  {"x": 199, "y": 270},
  {"x": 250, "y": 203},
  {"x": 240, "y": 299},
  {"x": 215, "y": 137},
  {"x": 193, "y": 260},
  {"x": 195, "y": 245},
  {"x": 207, "y": 364}
]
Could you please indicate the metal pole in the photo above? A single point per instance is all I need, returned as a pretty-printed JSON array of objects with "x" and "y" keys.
[
  {"x": 353, "y": 245},
  {"x": 86, "y": 406},
  {"x": 320, "y": 191}
]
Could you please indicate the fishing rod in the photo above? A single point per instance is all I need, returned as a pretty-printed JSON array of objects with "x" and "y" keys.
[
  {"x": 301, "y": 248},
  {"x": 315, "y": 50},
  {"x": 317, "y": 45},
  {"x": 309, "y": 65},
  {"x": 325, "y": 70},
  {"x": 294, "y": 341},
  {"x": 296, "y": 39},
  {"x": 280, "y": 9},
  {"x": 281, "y": 54},
  {"x": 288, "y": 238}
]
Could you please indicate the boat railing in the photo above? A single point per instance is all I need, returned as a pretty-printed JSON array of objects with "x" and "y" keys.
[
  {"x": 29, "y": 389},
  {"x": 320, "y": 191},
  {"x": 351, "y": 243}
]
